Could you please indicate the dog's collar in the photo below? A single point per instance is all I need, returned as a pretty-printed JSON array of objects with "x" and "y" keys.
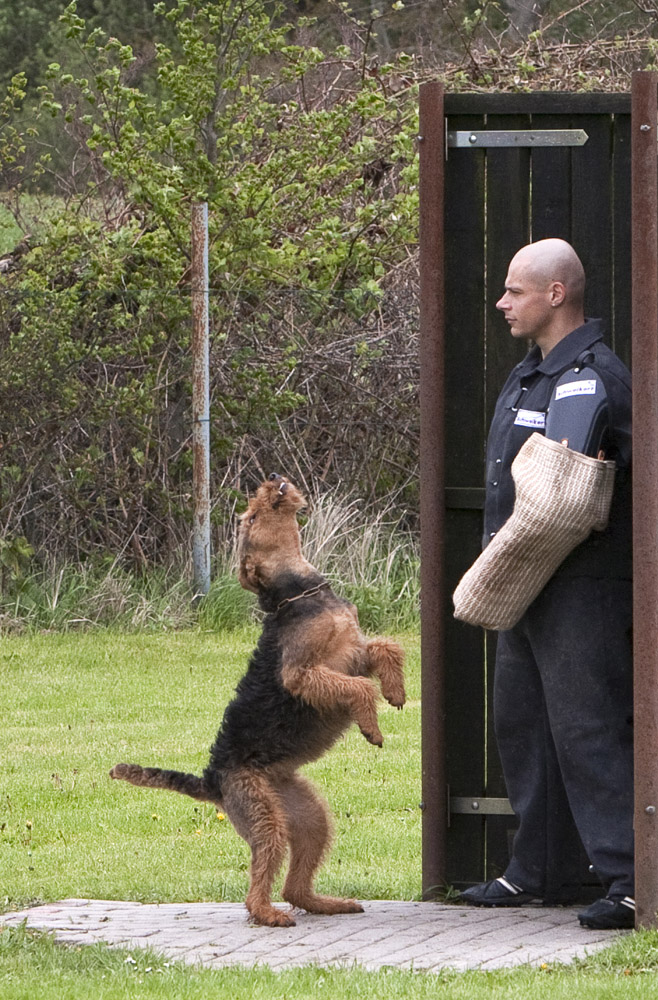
[{"x": 298, "y": 597}]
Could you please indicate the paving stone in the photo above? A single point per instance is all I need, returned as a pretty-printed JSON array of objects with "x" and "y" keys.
[{"x": 407, "y": 934}]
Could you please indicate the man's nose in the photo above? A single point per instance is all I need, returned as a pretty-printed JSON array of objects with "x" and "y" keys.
[{"x": 502, "y": 302}]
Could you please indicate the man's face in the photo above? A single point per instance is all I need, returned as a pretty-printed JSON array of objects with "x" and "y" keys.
[{"x": 527, "y": 306}]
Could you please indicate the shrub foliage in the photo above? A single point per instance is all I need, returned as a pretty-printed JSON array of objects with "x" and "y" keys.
[{"x": 306, "y": 160}]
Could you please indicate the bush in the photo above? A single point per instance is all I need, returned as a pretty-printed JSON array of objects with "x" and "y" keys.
[
  {"x": 307, "y": 164},
  {"x": 366, "y": 556}
]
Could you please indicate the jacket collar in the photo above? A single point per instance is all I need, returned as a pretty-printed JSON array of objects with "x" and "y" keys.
[{"x": 565, "y": 351}]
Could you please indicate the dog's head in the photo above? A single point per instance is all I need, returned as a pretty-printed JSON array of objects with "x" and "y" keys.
[{"x": 268, "y": 534}]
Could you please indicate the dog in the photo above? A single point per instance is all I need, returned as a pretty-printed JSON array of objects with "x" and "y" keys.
[{"x": 308, "y": 679}]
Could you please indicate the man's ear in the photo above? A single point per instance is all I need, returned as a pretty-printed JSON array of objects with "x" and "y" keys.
[{"x": 558, "y": 293}]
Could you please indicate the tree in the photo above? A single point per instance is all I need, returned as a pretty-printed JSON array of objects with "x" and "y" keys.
[
  {"x": 31, "y": 33},
  {"x": 526, "y": 15},
  {"x": 307, "y": 163}
]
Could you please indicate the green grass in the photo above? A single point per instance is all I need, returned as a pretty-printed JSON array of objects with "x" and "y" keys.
[
  {"x": 74, "y": 705},
  {"x": 35, "y": 211},
  {"x": 366, "y": 555},
  {"x": 10, "y": 232},
  {"x": 72, "y": 598}
]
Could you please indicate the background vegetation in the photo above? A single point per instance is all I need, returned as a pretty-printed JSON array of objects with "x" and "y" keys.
[
  {"x": 297, "y": 123},
  {"x": 370, "y": 558}
]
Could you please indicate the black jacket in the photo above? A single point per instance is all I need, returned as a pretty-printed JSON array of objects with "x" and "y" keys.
[{"x": 521, "y": 410}]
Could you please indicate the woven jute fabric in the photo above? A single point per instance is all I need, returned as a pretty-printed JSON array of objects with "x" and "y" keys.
[{"x": 561, "y": 496}]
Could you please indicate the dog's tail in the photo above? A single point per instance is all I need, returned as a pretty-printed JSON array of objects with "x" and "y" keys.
[
  {"x": 386, "y": 662},
  {"x": 171, "y": 781}
]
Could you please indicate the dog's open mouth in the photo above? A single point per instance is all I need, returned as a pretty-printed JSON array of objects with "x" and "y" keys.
[{"x": 276, "y": 478}]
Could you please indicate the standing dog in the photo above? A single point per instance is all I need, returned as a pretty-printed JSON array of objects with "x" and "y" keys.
[{"x": 308, "y": 680}]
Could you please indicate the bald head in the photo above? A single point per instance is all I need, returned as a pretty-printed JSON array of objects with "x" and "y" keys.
[
  {"x": 544, "y": 293},
  {"x": 552, "y": 260}
]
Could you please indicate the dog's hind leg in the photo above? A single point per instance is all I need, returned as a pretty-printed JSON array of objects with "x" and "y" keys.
[
  {"x": 386, "y": 661},
  {"x": 309, "y": 835},
  {"x": 253, "y": 806}
]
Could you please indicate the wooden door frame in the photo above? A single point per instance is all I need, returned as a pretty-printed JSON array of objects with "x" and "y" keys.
[{"x": 644, "y": 263}]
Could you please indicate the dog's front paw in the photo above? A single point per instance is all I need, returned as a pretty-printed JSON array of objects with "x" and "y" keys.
[
  {"x": 373, "y": 736},
  {"x": 395, "y": 697}
]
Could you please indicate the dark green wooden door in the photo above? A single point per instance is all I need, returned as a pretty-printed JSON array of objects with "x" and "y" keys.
[{"x": 497, "y": 200}]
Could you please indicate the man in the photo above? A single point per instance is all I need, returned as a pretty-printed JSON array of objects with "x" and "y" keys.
[{"x": 563, "y": 676}]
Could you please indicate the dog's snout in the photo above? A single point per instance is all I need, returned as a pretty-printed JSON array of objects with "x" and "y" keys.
[{"x": 274, "y": 476}]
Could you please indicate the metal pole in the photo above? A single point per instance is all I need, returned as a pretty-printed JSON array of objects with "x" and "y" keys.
[
  {"x": 200, "y": 401},
  {"x": 644, "y": 120},
  {"x": 432, "y": 487}
]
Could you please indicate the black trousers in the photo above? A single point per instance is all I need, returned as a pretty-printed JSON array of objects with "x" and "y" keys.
[{"x": 563, "y": 716}]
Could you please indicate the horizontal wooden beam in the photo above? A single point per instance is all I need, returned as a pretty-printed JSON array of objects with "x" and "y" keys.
[{"x": 537, "y": 103}]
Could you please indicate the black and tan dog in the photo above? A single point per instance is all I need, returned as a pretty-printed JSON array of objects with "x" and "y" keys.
[{"x": 308, "y": 679}]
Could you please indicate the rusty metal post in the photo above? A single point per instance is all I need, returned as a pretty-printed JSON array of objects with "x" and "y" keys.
[
  {"x": 200, "y": 401},
  {"x": 431, "y": 142},
  {"x": 644, "y": 120}
]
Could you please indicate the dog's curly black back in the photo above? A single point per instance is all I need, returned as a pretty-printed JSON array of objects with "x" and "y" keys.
[{"x": 265, "y": 724}]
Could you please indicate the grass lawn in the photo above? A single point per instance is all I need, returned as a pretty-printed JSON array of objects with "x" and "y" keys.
[
  {"x": 76, "y": 704},
  {"x": 36, "y": 210}
]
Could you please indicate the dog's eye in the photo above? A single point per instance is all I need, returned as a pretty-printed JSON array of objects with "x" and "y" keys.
[{"x": 252, "y": 519}]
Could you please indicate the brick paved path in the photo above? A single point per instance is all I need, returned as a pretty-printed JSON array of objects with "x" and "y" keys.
[{"x": 406, "y": 935}]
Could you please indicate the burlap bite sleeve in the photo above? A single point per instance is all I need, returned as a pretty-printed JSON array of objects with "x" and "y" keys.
[{"x": 561, "y": 496}]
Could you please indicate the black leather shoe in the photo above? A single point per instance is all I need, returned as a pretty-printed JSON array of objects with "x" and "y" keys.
[
  {"x": 498, "y": 892},
  {"x": 610, "y": 913}
]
